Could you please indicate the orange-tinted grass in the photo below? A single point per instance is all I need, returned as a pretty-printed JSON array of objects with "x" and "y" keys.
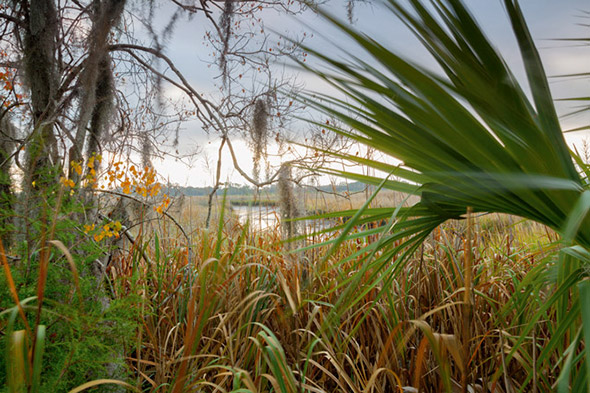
[{"x": 203, "y": 317}]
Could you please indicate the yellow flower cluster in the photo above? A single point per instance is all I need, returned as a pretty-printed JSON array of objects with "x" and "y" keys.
[
  {"x": 130, "y": 179},
  {"x": 111, "y": 229},
  {"x": 126, "y": 177},
  {"x": 66, "y": 182},
  {"x": 164, "y": 205},
  {"x": 76, "y": 167},
  {"x": 90, "y": 179}
]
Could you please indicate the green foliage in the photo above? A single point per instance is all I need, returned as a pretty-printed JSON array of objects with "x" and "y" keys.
[
  {"x": 81, "y": 339},
  {"x": 80, "y": 346},
  {"x": 472, "y": 137},
  {"x": 82, "y": 336}
]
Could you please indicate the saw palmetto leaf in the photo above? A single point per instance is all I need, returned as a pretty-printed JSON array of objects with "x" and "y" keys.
[{"x": 470, "y": 137}]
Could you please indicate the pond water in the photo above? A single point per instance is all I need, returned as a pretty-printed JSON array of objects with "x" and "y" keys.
[
  {"x": 268, "y": 217},
  {"x": 260, "y": 217}
]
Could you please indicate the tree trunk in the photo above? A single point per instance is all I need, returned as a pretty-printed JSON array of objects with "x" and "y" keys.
[
  {"x": 7, "y": 134},
  {"x": 40, "y": 36}
]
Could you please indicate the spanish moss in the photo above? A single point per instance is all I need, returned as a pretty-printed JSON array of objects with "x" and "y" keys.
[
  {"x": 259, "y": 134},
  {"x": 226, "y": 20}
]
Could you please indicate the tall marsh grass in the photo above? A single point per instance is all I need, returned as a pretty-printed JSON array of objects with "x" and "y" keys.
[{"x": 242, "y": 316}]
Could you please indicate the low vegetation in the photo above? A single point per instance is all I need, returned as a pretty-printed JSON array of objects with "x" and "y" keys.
[{"x": 240, "y": 313}]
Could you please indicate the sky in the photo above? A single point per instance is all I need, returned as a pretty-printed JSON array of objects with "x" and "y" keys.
[{"x": 548, "y": 21}]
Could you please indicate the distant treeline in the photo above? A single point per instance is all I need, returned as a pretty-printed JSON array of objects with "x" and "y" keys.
[
  {"x": 253, "y": 203},
  {"x": 236, "y": 189},
  {"x": 232, "y": 190}
]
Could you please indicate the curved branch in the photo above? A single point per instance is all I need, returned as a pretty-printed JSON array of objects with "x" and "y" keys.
[
  {"x": 217, "y": 182},
  {"x": 188, "y": 88},
  {"x": 149, "y": 205},
  {"x": 244, "y": 174},
  {"x": 12, "y": 19}
]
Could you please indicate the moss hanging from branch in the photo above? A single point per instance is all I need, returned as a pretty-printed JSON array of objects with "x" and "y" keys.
[
  {"x": 96, "y": 82},
  {"x": 102, "y": 110},
  {"x": 259, "y": 134},
  {"x": 226, "y": 19},
  {"x": 287, "y": 200}
]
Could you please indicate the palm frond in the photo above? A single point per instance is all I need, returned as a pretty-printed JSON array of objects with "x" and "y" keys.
[{"x": 470, "y": 137}]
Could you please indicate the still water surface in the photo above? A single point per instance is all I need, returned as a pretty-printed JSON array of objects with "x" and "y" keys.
[{"x": 267, "y": 218}]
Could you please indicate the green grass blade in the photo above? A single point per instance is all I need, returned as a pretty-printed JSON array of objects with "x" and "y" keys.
[
  {"x": 38, "y": 359},
  {"x": 17, "y": 360},
  {"x": 584, "y": 287}
]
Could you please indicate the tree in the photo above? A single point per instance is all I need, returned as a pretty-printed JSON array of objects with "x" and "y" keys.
[
  {"x": 254, "y": 104},
  {"x": 78, "y": 83}
]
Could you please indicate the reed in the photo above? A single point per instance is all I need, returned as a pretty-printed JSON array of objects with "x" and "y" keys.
[{"x": 241, "y": 316}]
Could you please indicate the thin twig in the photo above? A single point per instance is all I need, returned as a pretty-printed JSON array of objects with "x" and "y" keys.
[
  {"x": 129, "y": 237},
  {"x": 165, "y": 213}
]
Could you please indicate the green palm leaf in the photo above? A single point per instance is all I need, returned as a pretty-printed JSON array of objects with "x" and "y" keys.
[
  {"x": 470, "y": 137},
  {"x": 495, "y": 151}
]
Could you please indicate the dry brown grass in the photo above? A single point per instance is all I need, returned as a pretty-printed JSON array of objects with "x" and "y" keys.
[{"x": 244, "y": 315}]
